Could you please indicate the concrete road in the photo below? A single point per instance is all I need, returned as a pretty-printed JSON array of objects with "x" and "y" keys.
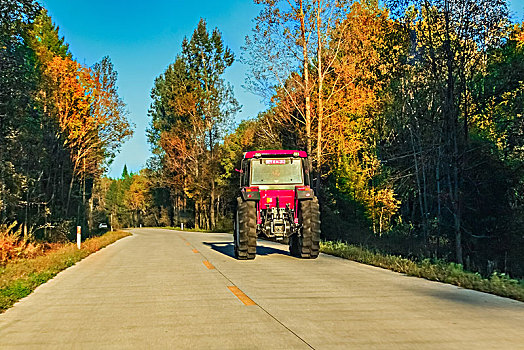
[{"x": 164, "y": 289}]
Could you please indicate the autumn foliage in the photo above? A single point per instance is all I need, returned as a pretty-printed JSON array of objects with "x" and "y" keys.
[
  {"x": 411, "y": 104},
  {"x": 15, "y": 245},
  {"x": 411, "y": 113},
  {"x": 61, "y": 122}
]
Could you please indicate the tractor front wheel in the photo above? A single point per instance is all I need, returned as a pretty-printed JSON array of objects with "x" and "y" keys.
[
  {"x": 245, "y": 235},
  {"x": 306, "y": 243}
]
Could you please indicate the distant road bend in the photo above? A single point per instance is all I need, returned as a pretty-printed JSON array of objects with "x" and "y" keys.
[{"x": 170, "y": 289}]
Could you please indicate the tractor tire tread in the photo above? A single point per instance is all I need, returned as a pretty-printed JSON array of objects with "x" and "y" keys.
[
  {"x": 307, "y": 246},
  {"x": 246, "y": 247}
]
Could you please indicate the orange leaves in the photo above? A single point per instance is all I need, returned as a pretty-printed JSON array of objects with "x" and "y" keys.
[
  {"x": 359, "y": 73},
  {"x": 69, "y": 97},
  {"x": 177, "y": 148},
  {"x": 87, "y": 109},
  {"x": 67, "y": 94},
  {"x": 353, "y": 83},
  {"x": 13, "y": 244},
  {"x": 182, "y": 156}
]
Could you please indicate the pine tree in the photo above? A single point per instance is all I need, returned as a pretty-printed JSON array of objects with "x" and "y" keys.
[
  {"x": 191, "y": 111},
  {"x": 19, "y": 120},
  {"x": 45, "y": 38}
]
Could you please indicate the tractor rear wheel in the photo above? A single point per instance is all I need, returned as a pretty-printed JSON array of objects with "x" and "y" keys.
[
  {"x": 245, "y": 235},
  {"x": 307, "y": 244}
]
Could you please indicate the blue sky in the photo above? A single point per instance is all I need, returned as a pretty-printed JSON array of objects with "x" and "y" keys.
[
  {"x": 143, "y": 37},
  {"x": 516, "y": 7}
]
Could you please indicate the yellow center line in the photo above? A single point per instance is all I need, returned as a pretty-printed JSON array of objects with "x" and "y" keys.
[
  {"x": 240, "y": 295},
  {"x": 195, "y": 251},
  {"x": 208, "y": 265}
]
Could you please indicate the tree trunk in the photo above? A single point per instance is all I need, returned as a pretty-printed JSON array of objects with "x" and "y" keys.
[
  {"x": 457, "y": 205},
  {"x": 419, "y": 187},
  {"x": 90, "y": 215},
  {"x": 197, "y": 215},
  {"x": 212, "y": 207},
  {"x": 176, "y": 208},
  {"x": 218, "y": 213},
  {"x": 320, "y": 107},
  {"x": 69, "y": 194},
  {"x": 84, "y": 182},
  {"x": 306, "y": 77},
  {"x": 452, "y": 118},
  {"x": 439, "y": 205}
]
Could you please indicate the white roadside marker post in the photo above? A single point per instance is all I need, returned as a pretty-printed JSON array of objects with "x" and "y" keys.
[
  {"x": 78, "y": 236},
  {"x": 182, "y": 226}
]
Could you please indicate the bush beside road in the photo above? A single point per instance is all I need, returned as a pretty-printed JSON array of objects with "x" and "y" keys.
[{"x": 451, "y": 273}]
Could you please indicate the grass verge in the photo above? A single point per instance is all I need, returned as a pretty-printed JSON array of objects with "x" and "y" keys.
[
  {"x": 19, "y": 278},
  {"x": 498, "y": 283}
]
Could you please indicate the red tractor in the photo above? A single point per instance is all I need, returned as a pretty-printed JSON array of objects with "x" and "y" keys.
[{"x": 277, "y": 202}]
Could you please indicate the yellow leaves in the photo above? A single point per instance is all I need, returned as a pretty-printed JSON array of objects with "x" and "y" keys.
[
  {"x": 138, "y": 195},
  {"x": 68, "y": 96},
  {"x": 367, "y": 46},
  {"x": 518, "y": 34},
  {"x": 87, "y": 111},
  {"x": 356, "y": 177},
  {"x": 382, "y": 206}
]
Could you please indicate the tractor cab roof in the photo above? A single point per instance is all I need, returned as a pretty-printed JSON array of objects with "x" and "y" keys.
[{"x": 274, "y": 153}]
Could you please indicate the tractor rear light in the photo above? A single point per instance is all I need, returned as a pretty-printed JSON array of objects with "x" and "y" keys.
[
  {"x": 304, "y": 192},
  {"x": 251, "y": 193}
]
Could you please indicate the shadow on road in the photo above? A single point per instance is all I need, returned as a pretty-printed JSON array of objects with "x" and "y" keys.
[
  {"x": 472, "y": 298},
  {"x": 227, "y": 248}
]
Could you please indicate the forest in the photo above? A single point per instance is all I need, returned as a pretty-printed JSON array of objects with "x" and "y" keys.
[
  {"x": 61, "y": 123},
  {"x": 411, "y": 113}
]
